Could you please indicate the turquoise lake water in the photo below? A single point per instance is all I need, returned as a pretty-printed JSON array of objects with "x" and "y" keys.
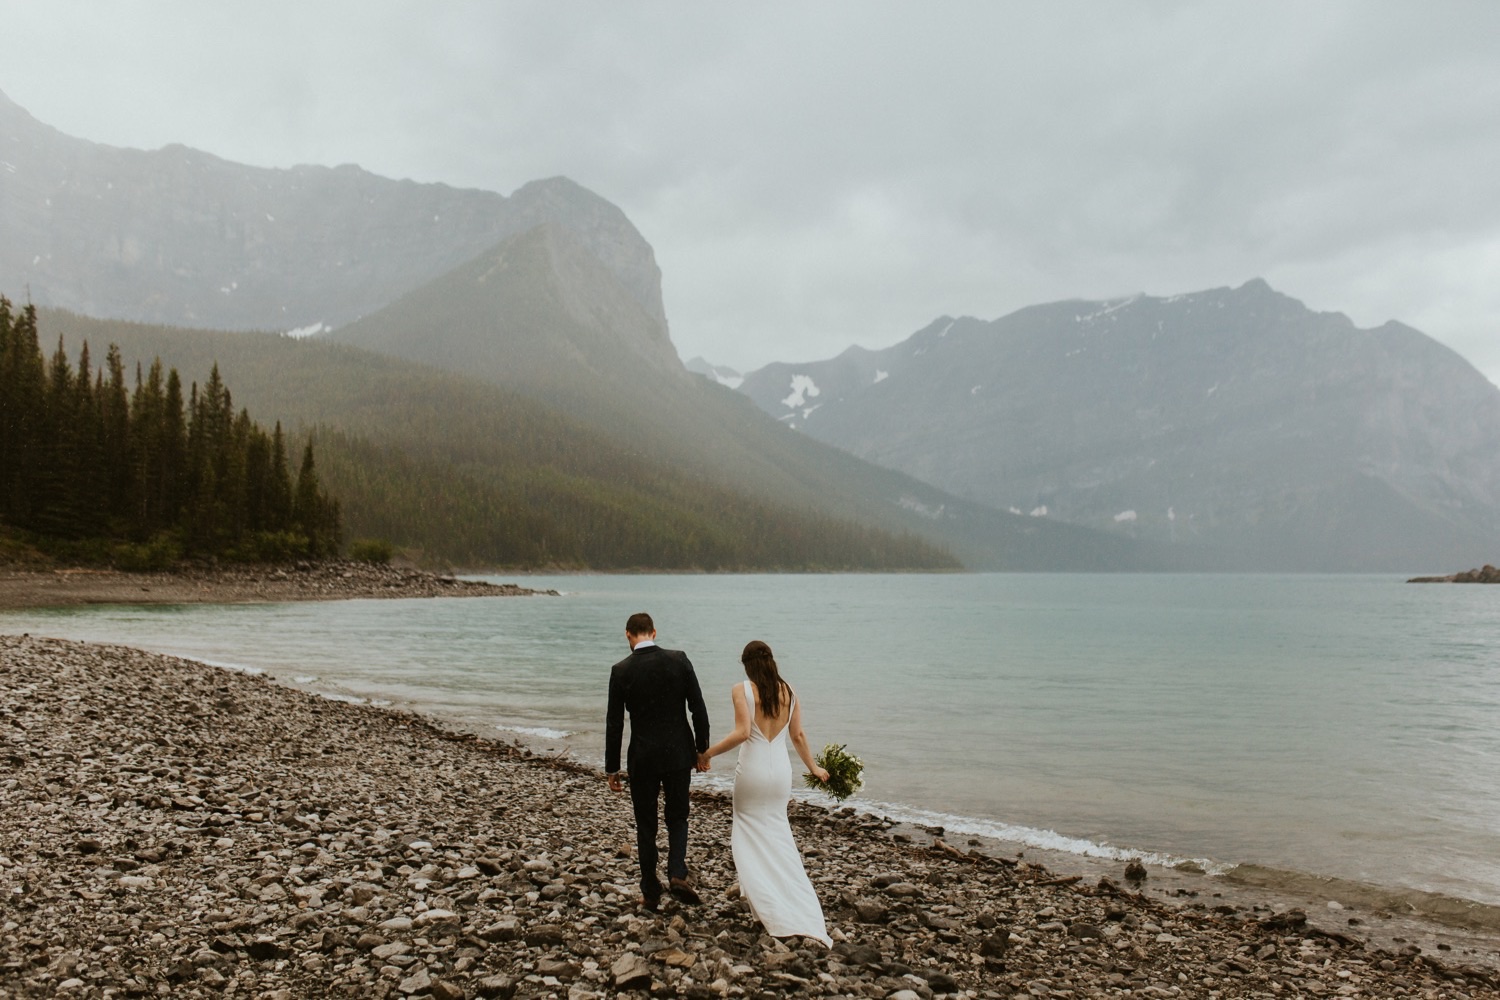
[{"x": 1339, "y": 725}]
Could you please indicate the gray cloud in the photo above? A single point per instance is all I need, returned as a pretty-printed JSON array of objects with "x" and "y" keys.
[{"x": 815, "y": 175}]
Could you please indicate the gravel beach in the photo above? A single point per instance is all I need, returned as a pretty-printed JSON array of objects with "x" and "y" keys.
[
  {"x": 173, "y": 829},
  {"x": 305, "y": 581}
]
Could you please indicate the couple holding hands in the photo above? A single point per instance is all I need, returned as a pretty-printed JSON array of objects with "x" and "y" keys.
[{"x": 659, "y": 690}]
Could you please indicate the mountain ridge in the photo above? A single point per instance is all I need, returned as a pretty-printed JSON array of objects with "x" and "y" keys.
[
  {"x": 178, "y": 235},
  {"x": 1233, "y": 416}
]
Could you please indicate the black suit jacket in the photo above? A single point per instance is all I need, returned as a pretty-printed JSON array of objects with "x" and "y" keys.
[{"x": 655, "y": 685}]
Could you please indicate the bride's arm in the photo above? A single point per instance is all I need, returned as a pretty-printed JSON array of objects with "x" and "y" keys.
[
  {"x": 741, "y": 731},
  {"x": 799, "y": 740}
]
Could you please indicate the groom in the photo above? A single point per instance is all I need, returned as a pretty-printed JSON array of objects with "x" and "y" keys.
[{"x": 655, "y": 685}]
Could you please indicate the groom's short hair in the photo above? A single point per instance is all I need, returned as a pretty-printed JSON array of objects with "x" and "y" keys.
[{"x": 640, "y": 623}]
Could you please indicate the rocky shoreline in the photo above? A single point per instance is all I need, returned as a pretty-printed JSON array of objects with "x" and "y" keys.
[
  {"x": 1486, "y": 574},
  {"x": 173, "y": 829},
  {"x": 332, "y": 580}
]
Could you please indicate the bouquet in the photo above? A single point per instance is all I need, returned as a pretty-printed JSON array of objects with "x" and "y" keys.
[{"x": 845, "y": 772}]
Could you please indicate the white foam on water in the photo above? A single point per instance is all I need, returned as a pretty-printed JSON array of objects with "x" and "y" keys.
[
  {"x": 542, "y": 731},
  {"x": 305, "y": 679},
  {"x": 239, "y": 668},
  {"x": 348, "y": 699},
  {"x": 1046, "y": 840}
]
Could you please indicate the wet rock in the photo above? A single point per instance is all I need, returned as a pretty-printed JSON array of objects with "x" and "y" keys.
[
  {"x": 495, "y": 988},
  {"x": 995, "y": 945}
]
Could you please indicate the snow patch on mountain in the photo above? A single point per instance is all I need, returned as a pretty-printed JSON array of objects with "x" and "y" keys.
[{"x": 802, "y": 387}]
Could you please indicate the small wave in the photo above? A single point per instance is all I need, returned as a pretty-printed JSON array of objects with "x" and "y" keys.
[
  {"x": 348, "y": 699},
  {"x": 1045, "y": 840},
  {"x": 304, "y": 679},
  {"x": 238, "y": 668},
  {"x": 541, "y": 731}
]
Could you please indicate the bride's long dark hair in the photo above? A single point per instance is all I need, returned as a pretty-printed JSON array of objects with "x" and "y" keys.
[{"x": 760, "y": 667}]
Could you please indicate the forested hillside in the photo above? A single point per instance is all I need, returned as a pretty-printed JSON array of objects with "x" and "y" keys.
[
  {"x": 465, "y": 473},
  {"x": 91, "y": 468}
]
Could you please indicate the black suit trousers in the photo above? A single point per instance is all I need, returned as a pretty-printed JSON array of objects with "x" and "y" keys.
[{"x": 645, "y": 790}]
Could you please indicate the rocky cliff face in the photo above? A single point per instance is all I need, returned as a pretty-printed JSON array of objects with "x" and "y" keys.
[
  {"x": 179, "y": 236},
  {"x": 539, "y": 313},
  {"x": 1233, "y": 418}
]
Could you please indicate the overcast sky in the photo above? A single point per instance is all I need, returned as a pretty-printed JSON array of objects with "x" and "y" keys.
[{"x": 814, "y": 175}]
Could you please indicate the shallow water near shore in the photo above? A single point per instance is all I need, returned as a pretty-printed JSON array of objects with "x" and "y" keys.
[{"x": 1337, "y": 726}]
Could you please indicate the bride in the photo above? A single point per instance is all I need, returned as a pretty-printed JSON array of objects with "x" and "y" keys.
[{"x": 772, "y": 879}]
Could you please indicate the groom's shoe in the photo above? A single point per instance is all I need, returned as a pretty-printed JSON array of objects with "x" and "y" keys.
[
  {"x": 683, "y": 892},
  {"x": 651, "y": 900}
]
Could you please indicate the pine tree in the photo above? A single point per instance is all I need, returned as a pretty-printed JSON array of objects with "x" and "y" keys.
[
  {"x": 114, "y": 419},
  {"x": 307, "y": 513}
]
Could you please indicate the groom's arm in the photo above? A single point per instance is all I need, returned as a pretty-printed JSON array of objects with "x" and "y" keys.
[
  {"x": 697, "y": 708},
  {"x": 614, "y": 724}
]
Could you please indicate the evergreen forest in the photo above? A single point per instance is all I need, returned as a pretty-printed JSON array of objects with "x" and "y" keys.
[{"x": 93, "y": 470}]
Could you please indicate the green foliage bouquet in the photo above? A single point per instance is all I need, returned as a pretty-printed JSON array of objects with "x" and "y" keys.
[{"x": 845, "y": 772}]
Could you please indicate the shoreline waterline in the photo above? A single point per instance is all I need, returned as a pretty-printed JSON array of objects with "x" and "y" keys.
[
  {"x": 1064, "y": 853},
  {"x": 1403, "y": 909}
]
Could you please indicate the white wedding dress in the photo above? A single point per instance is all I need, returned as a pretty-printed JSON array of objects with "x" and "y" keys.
[{"x": 766, "y": 858}]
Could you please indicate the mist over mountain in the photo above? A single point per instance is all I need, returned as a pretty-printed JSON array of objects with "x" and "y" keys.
[
  {"x": 550, "y": 296},
  {"x": 1237, "y": 419},
  {"x": 179, "y": 236},
  {"x": 1228, "y": 429},
  {"x": 538, "y": 316},
  {"x": 539, "y": 312}
]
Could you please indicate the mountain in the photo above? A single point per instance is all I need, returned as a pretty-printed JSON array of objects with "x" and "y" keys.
[
  {"x": 550, "y": 295},
  {"x": 537, "y": 317},
  {"x": 1236, "y": 419},
  {"x": 538, "y": 312},
  {"x": 182, "y": 237}
]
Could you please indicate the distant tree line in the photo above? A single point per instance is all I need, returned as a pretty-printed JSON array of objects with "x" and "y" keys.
[{"x": 144, "y": 476}]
